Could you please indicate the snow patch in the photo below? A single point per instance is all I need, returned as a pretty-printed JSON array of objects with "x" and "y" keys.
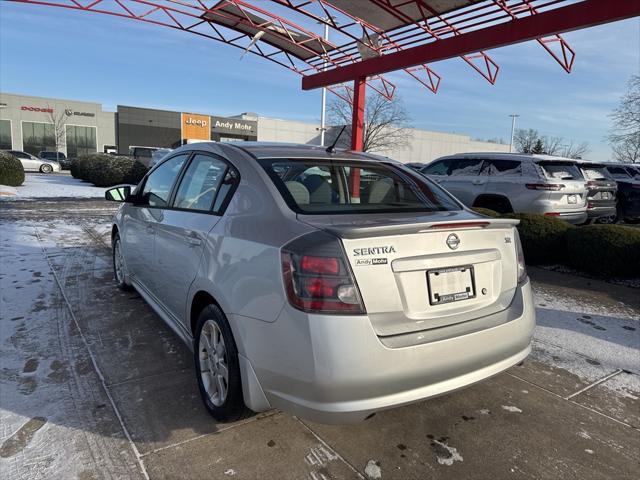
[
  {"x": 584, "y": 434},
  {"x": 485, "y": 411},
  {"x": 7, "y": 191},
  {"x": 52, "y": 185},
  {"x": 511, "y": 408},
  {"x": 447, "y": 455},
  {"x": 230, "y": 472},
  {"x": 320, "y": 456},
  {"x": 372, "y": 470},
  {"x": 589, "y": 451}
]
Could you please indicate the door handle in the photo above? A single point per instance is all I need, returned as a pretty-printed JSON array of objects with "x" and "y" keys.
[
  {"x": 150, "y": 229},
  {"x": 193, "y": 240},
  {"x": 478, "y": 182}
]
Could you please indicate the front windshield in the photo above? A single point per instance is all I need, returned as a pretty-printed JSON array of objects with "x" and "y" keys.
[
  {"x": 595, "y": 173},
  {"x": 327, "y": 186},
  {"x": 561, "y": 171}
]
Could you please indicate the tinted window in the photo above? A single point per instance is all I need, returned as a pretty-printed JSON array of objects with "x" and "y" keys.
[
  {"x": 503, "y": 168},
  {"x": 561, "y": 171},
  {"x": 200, "y": 183},
  {"x": 5, "y": 134},
  {"x": 438, "y": 168},
  {"x": 19, "y": 154},
  {"x": 37, "y": 137},
  {"x": 224, "y": 191},
  {"x": 157, "y": 187},
  {"x": 619, "y": 172},
  {"x": 319, "y": 186},
  {"x": 80, "y": 140},
  {"x": 465, "y": 166}
]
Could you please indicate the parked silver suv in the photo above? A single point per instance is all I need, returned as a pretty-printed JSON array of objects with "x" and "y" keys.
[
  {"x": 519, "y": 183},
  {"x": 328, "y": 285}
]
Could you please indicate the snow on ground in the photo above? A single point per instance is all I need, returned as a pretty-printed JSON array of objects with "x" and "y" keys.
[{"x": 38, "y": 185}]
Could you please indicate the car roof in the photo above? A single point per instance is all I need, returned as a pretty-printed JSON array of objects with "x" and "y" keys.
[
  {"x": 295, "y": 150},
  {"x": 528, "y": 157}
]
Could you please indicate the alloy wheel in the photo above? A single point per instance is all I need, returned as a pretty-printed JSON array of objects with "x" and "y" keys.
[
  {"x": 118, "y": 262},
  {"x": 214, "y": 366}
]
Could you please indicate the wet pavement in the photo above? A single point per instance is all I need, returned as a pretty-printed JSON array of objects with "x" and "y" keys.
[{"x": 93, "y": 385}]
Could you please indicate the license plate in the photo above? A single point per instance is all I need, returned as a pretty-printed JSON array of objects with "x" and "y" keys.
[
  {"x": 573, "y": 199},
  {"x": 451, "y": 284}
]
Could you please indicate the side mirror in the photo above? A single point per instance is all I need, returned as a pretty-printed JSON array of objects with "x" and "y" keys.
[{"x": 119, "y": 193}]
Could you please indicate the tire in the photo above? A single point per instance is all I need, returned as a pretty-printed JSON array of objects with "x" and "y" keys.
[
  {"x": 119, "y": 267},
  {"x": 46, "y": 168},
  {"x": 213, "y": 330}
]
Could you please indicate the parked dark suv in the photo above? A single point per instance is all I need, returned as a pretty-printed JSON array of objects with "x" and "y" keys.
[
  {"x": 628, "y": 181},
  {"x": 601, "y": 190}
]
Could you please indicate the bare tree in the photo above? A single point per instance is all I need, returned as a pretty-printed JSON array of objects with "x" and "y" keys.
[
  {"x": 575, "y": 150},
  {"x": 530, "y": 141},
  {"x": 386, "y": 123},
  {"x": 625, "y": 136},
  {"x": 525, "y": 140},
  {"x": 58, "y": 121},
  {"x": 551, "y": 145}
]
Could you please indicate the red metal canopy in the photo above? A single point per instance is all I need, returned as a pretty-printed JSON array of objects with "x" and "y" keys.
[{"x": 370, "y": 37}]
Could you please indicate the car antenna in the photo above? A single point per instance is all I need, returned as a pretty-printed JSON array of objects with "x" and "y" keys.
[{"x": 332, "y": 148}]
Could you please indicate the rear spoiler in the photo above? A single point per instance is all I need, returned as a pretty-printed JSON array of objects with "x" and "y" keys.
[{"x": 348, "y": 232}]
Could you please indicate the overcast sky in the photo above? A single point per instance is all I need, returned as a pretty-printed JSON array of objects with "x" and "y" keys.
[{"x": 53, "y": 52}]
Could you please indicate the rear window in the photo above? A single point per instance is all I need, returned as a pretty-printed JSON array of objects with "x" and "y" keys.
[
  {"x": 595, "y": 173},
  {"x": 325, "y": 187},
  {"x": 561, "y": 171}
]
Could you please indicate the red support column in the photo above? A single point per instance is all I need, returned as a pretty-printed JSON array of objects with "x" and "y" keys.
[
  {"x": 357, "y": 122},
  {"x": 357, "y": 132}
]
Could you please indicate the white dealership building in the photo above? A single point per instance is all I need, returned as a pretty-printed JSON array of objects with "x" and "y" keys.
[{"x": 30, "y": 123}]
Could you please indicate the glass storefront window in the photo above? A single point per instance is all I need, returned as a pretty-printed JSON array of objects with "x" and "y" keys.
[
  {"x": 80, "y": 140},
  {"x": 38, "y": 137},
  {"x": 5, "y": 135}
]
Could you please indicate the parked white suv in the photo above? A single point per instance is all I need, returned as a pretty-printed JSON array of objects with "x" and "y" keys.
[{"x": 520, "y": 183}]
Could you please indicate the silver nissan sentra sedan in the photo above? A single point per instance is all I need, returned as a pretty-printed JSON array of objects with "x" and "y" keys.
[{"x": 328, "y": 284}]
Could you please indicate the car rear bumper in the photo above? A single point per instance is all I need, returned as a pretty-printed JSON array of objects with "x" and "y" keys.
[
  {"x": 572, "y": 217},
  {"x": 601, "y": 210},
  {"x": 335, "y": 369}
]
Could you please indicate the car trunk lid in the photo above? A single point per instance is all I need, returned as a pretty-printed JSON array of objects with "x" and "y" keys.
[{"x": 423, "y": 271}]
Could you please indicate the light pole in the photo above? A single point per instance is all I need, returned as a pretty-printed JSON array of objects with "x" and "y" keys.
[
  {"x": 324, "y": 92},
  {"x": 513, "y": 130}
]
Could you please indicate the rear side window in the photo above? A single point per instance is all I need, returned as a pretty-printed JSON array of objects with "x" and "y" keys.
[
  {"x": 465, "y": 166},
  {"x": 619, "y": 172},
  {"x": 503, "y": 168},
  {"x": 325, "y": 186},
  {"x": 157, "y": 187},
  {"x": 595, "y": 173},
  {"x": 438, "y": 168},
  {"x": 200, "y": 183},
  {"x": 561, "y": 171}
]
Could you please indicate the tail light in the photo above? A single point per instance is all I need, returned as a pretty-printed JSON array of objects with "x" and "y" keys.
[
  {"x": 522, "y": 267},
  {"x": 545, "y": 186},
  {"x": 317, "y": 276},
  {"x": 552, "y": 214}
]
